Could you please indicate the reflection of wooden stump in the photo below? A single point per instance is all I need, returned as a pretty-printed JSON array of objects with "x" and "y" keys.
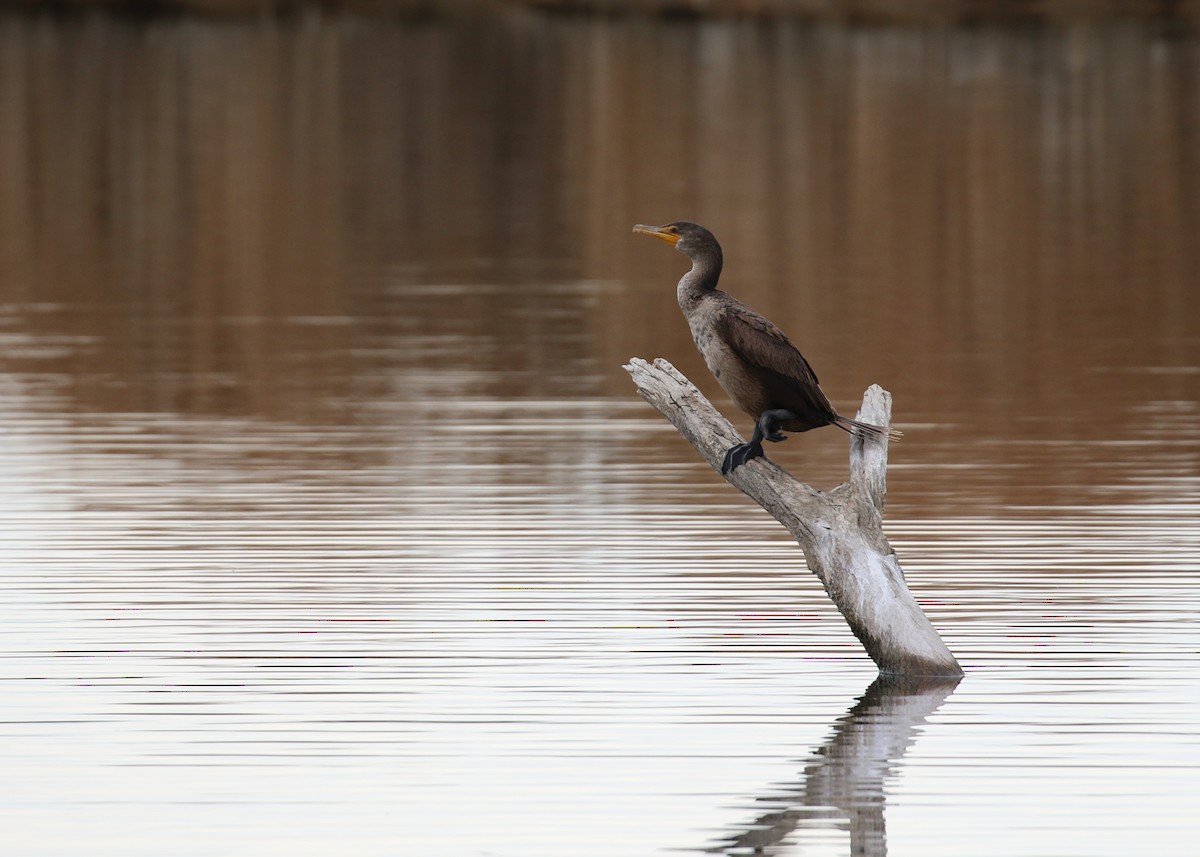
[
  {"x": 844, "y": 784},
  {"x": 840, "y": 531}
]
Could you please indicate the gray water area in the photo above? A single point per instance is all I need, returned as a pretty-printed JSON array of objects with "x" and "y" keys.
[{"x": 332, "y": 525}]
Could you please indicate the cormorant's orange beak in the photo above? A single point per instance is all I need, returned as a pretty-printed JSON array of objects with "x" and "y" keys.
[{"x": 659, "y": 232}]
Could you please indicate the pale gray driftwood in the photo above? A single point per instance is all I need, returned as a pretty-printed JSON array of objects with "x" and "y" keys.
[{"x": 840, "y": 531}]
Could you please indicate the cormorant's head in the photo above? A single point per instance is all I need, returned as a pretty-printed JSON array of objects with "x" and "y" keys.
[{"x": 691, "y": 239}]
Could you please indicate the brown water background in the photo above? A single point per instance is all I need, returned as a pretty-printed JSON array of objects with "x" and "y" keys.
[{"x": 333, "y": 525}]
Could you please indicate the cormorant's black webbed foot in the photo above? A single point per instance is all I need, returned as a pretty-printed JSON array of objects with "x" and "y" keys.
[
  {"x": 767, "y": 428},
  {"x": 740, "y": 454}
]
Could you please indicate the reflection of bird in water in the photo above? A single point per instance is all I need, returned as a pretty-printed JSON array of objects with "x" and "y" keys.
[{"x": 760, "y": 369}]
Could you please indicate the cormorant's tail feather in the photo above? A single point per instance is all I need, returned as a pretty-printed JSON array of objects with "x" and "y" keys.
[{"x": 849, "y": 425}]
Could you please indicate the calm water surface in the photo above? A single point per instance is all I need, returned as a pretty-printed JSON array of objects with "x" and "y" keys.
[{"x": 331, "y": 524}]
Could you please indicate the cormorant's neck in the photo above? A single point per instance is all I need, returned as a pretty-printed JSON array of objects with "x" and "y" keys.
[{"x": 706, "y": 270}]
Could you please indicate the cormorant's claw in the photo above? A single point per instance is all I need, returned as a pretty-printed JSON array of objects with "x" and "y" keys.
[
  {"x": 739, "y": 455},
  {"x": 769, "y": 425}
]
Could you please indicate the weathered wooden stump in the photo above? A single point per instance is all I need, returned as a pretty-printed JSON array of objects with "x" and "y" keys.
[{"x": 840, "y": 531}]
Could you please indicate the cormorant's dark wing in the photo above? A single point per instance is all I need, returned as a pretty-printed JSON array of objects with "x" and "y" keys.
[
  {"x": 786, "y": 378},
  {"x": 759, "y": 342},
  {"x": 791, "y": 382}
]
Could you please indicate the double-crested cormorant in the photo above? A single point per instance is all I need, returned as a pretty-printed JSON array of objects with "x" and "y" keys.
[{"x": 760, "y": 369}]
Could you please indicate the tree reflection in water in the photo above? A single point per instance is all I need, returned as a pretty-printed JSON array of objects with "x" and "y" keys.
[{"x": 843, "y": 784}]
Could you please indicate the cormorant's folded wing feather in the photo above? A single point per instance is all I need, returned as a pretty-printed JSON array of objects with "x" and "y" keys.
[{"x": 760, "y": 343}]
